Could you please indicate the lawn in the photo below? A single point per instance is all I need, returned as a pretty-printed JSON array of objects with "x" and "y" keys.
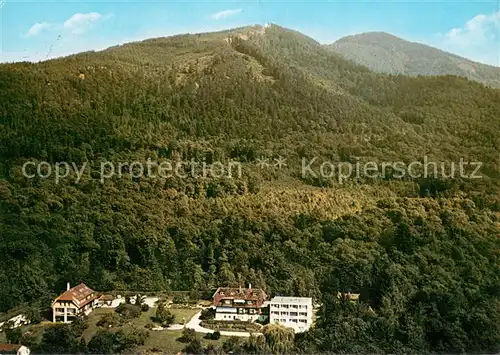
[
  {"x": 164, "y": 340},
  {"x": 92, "y": 319},
  {"x": 183, "y": 315}
]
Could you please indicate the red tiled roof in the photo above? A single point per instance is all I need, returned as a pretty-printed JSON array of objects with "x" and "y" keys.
[
  {"x": 107, "y": 298},
  {"x": 255, "y": 294},
  {"x": 9, "y": 347},
  {"x": 78, "y": 294}
]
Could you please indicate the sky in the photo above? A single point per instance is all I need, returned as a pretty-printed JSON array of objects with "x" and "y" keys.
[{"x": 39, "y": 30}]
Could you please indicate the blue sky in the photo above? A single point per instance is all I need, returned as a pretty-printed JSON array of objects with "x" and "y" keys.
[{"x": 36, "y": 30}]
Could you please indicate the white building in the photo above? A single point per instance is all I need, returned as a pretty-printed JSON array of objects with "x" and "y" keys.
[
  {"x": 76, "y": 301},
  {"x": 23, "y": 350},
  {"x": 292, "y": 312},
  {"x": 238, "y": 304}
]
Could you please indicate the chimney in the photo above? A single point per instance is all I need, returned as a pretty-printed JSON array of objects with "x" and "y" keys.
[
  {"x": 67, "y": 287},
  {"x": 249, "y": 286}
]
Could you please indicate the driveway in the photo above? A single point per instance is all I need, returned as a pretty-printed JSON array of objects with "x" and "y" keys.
[{"x": 194, "y": 323}]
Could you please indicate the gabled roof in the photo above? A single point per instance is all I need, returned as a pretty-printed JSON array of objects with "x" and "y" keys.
[
  {"x": 240, "y": 293},
  {"x": 77, "y": 295}
]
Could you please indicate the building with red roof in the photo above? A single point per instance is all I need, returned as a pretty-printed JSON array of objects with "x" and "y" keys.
[
  {"x": 9, "y": 348},
  {"x": 74, "y": 302},
  {"x": 242, "y": 304}
]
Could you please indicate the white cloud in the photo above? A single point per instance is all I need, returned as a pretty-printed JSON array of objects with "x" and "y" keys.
[
  {"x": 37, "y": 28},
  {"x": 226, "y": 13},
  {"x": 79, "y": 23},
  {"x": 478, "y": 39}
]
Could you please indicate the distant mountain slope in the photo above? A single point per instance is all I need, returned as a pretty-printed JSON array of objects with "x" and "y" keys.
[{"x": 386, "y": 53}]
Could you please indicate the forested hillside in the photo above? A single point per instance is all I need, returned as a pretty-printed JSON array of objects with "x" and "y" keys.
[
  {"x": 386, "y": 53},
  {"x": 423, "y": 253}
]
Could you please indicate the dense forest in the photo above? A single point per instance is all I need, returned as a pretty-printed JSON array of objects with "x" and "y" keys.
[{"x": 423, "y": 253}]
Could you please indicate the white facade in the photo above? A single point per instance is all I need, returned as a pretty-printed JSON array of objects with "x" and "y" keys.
[
  {"x": 292, "y": 312},
  {"x": 77, "y": 301},
  {"x": 23, "y": 350},
  {"x": 233, "y": 313}
]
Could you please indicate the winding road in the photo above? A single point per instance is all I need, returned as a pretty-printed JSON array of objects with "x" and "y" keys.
[{"x": 194, "y": 323}]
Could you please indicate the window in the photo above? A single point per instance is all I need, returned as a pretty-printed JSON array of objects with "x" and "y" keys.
[
  {"x": 302, "y": 321},
  {"x": 303, "y": 314},
  {"x": 293, "y": 314},
  {"x": 284, "y": 313},
  {"x": 59, "y": 309},
  {"x": 295, "y": 306}
]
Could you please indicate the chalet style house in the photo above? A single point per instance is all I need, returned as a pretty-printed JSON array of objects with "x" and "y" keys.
[
  {"x": 242, "y": 304},
  {"x": 76, "y": 301}
]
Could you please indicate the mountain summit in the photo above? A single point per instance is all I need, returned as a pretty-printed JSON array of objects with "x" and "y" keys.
[{"x": 385, "y": 53}]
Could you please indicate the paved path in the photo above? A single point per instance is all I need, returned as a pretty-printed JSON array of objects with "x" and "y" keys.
[{"x": 194, "y": 323}]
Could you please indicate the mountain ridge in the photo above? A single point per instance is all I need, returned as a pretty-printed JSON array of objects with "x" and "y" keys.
[{"x": 387, "y": 53}]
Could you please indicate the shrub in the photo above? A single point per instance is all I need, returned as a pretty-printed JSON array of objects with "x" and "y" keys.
[
  {"x": 213, "y": 336},
  {"x": 101, "y": 343},
  {"x": 194, "y": 347},
  {"x": 135, "y": 337},
  {"x": 188, "y": 335},
  {"x": 144, "y": 307},
  {"x": 109, "y": 320},
  {"x": 79, "y": 325},
  {"x": 59, "y": 339},
  {"x": 233, "y": 344},
  {"x": 13, "y": 335},
  {"x": 216, "y": 335},
  {"x": 207, "y": 314},
  {"x": 128, "y": 311},
  {"x": 106, "y": 342},
  {"x": 180, "y": 299},
  {"x": 231, "y": 325},
  {"x": 163, "y": 315}
]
